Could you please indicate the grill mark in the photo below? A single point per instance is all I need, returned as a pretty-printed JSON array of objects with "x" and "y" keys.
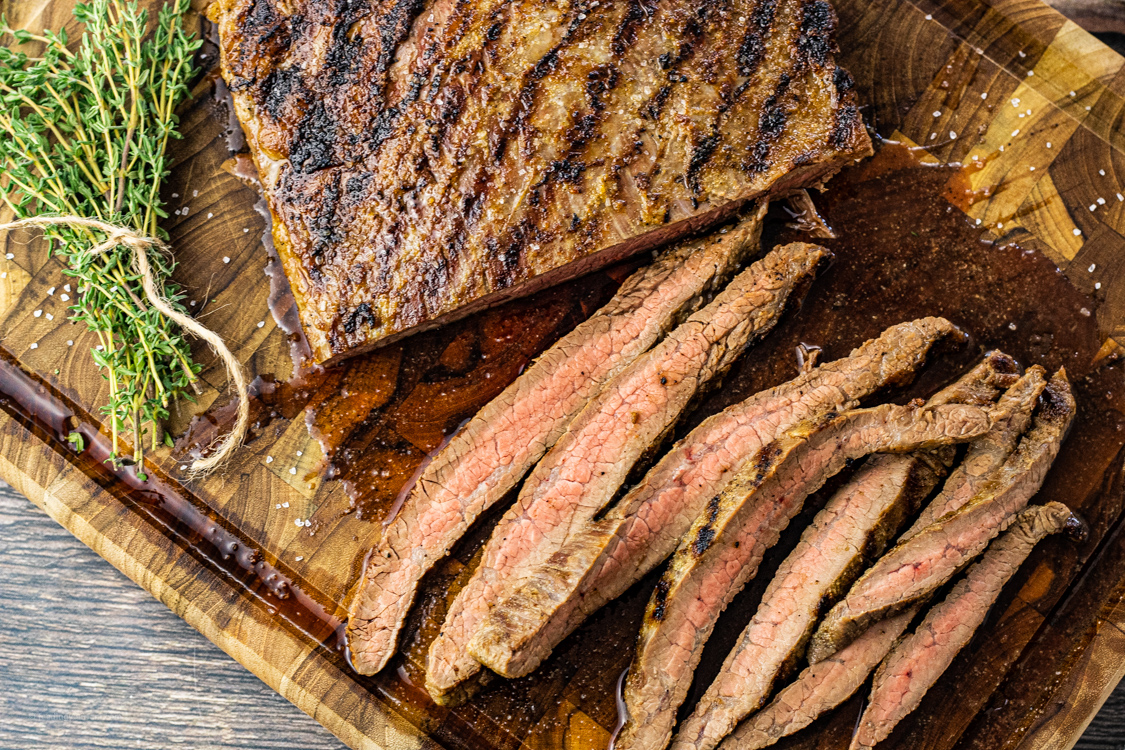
[
  {"x": 753, "y": 47},
  {"x": 772, "y": 118},
  {"x": 818, "y": 28}
]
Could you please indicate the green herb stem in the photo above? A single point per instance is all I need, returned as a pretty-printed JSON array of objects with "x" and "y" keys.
[{"x": 88, "y": 131}]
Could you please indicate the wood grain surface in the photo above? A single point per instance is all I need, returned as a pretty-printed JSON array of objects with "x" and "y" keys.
[{"x": 962, "y": 78}]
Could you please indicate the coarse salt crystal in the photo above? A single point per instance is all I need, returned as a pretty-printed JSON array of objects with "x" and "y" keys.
[
  {"x": 37, "y": 313},
  {"x": 1048, "y": 144},
  {"x": 952, "y": 134},
  {"x": 1093, "y": 206},
  {"x": 210, "y": 215},
  {"x": 300, "y": 453},
  {"x": 4, "y": 275},
  {"x": 69, "y": 342},
  {"x": 10, "y": 256},
  {"x": 1097, "y": 285},
  {"x": 245, "y": 230},
  {"x": 1101, "y": 172},
  {"x": 194, "y": 193},
  {"x": 1030, "y": 73},
  {"x": 261, "y": 323},
  {"x": 269, "y": 459},
  {"x": 64, "y": 297},
  {"x": 175, "y": 195},
  {"x": 66, "y": 287},
  {"x": 929, "y": 17},
  {"x": 999, "y": 225},
  {"x": 298, "y": 558},
  {"x": 277, "y": 507},
  {"x": 984, "y": 95},
  {"x": 1101, "y": 201},
  {"x": 293, "y": 470},
  {"x": 1085, "y": 312},
  {"x": 1120, "y": 197},
  {"x": 1077, "y": 232},
  {"x": 297, "y": 522},
  {"x": 1073, "y": 93},
  {"x": 1092, "y": 267},
  {"x": 1015, "y": 132},
  {"x": 285, "y": 504},
  {"x": 226, "y": 259},
  {"x": 933, "y": 136},
  {"x": 50, "y": 317},
  {"x": 35, "y": 346},
  {"x": 1031, "y": 169},
  {"x": 937, "y": 113},
  {"x": 51, "y": 291},
  {"x": 1011, "y": 326}
]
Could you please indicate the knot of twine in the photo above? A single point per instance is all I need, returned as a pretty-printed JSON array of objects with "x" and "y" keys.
[{"x": 140, "y": 245}]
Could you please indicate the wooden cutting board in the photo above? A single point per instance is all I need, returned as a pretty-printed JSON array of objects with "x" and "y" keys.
[{"x": 1037, "y": 101}]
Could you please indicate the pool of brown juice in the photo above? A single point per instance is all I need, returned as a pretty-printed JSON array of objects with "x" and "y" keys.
[{"x": 902, "y": 252}]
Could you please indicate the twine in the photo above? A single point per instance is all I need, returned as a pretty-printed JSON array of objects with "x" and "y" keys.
[{"x": 140, "y": 245}]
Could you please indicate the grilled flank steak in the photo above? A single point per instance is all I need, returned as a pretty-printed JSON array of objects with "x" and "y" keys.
[{"x": 424, "y": 159}]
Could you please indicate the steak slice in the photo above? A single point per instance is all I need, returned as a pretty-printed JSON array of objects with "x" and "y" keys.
[
  {"x": 605, "y": 557},
  {"x": 425, "y": 158},
  {"x": 821, "y": 687},
  {"x": 855, "y": 526},
  {"x": 988, "y": 453},
  {"x": 918, "y": 661},
  {"x": 503, "y": 441},
  {"x": 721, "y": 551},
  {"x": 915, "y": 568},
  {"x": 587, "y": 465}
]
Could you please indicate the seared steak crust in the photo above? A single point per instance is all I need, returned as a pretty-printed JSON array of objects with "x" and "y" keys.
[
  {"x": 724, "y": 546},
  {"x": 584, "y": 469},
  {"x": 918, "y": 661},
  {"x": 852, "y": 529},
  {"x": 424, "y": 158},
  {"x": 605, "y": 557},
  {"x": 512, "y": 432},
  {"x": 915, "y": 568}
]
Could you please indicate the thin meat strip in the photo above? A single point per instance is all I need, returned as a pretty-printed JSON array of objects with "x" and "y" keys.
[
  {"x": 855, "y": 526},
  {"x": 511, "y": 433},
  {"x": 917, "y": 567},
  {"x": 585, "y": 468},
  {"x": 724, "y": 546},
  {"x": 607, "y": 556},
  {"x": 918, "y": 661}
]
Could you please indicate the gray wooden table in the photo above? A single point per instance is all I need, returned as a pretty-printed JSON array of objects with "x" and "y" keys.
[{"x": 89, "y": 660}]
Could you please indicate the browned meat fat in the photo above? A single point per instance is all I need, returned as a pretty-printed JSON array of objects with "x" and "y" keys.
[
  {"x": 917, "y": 567},
  {"x": 855, "y": 526},
  {"x": 631, "y": 413},
  {"x": 603, "y": 558},
  {"x": 512, "y": 432},
  {"x": 918, "y": 661},
  {"x": 425, "y": 158},
  {"x": 721, "y": 551},
  {"x": 820, "y": 688}
]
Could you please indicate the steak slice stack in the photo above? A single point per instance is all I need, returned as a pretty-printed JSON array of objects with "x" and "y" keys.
[
  {"x": 916, "y": 663},
  {"x": 724, "y": 546},
  {"x": 917, "y": 567},
  {"x": 511, "y": 433},
  {"x": 854, "y": 526},
  {"x": 820, "y": 687},
  {"x": 587, "y": 465},
  {"x": 425, "y": 158},
  {"x": 605, "y": 557},
  {"x": 988, "y": 453}
]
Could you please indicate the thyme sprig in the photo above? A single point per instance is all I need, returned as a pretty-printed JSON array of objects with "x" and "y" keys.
[{"x": 87, "y": 131}]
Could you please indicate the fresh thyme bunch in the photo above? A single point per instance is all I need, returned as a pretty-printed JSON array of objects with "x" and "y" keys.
[{"x": 86, "y": 134}]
